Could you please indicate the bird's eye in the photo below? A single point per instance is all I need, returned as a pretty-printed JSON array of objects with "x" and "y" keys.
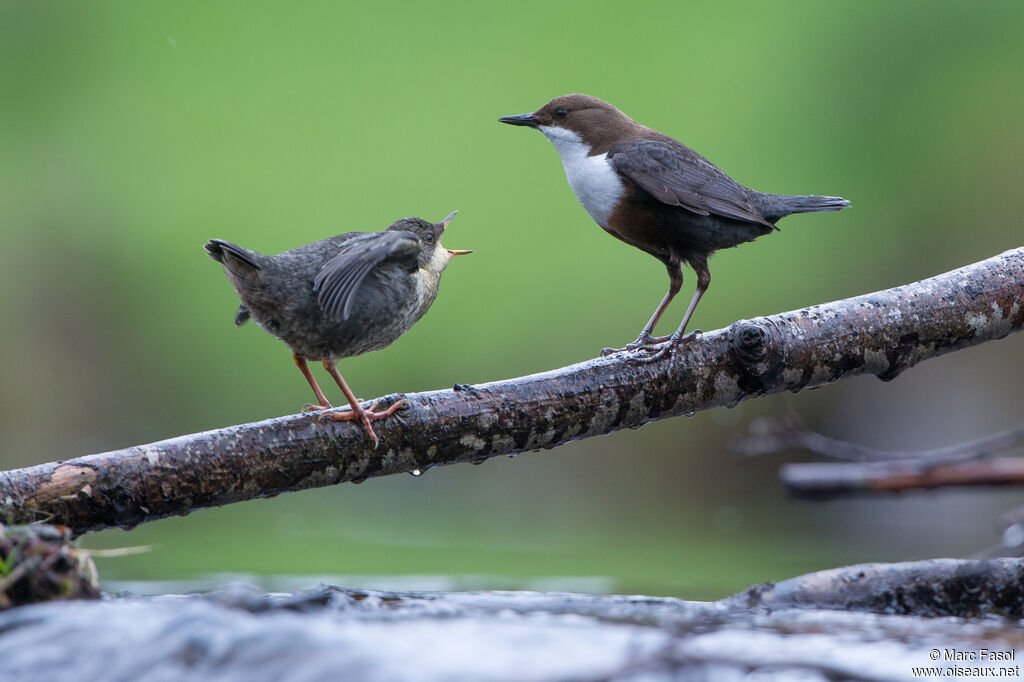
[
  {"x": 561, "y": 112},
  {"x": 428, "y": 237}
]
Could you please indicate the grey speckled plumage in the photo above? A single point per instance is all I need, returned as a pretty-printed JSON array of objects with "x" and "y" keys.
[{"x": 342, "y": 296}]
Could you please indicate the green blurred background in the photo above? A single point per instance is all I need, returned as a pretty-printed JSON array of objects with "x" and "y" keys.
[{"x": 132, "y": 132}]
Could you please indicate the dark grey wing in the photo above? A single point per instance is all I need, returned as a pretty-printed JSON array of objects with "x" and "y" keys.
[
  {"x": 338, "y": 280},
  {"x": 676, "y": 175}
]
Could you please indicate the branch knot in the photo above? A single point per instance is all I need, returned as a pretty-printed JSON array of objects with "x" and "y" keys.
[{"x": 749, "y": 341}]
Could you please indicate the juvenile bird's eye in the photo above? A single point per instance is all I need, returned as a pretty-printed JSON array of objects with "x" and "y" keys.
[
  {"x": 561, "y": 112},
  {"x": 428, "y": 237}
]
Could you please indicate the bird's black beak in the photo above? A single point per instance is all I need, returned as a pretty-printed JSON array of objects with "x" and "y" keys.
[{"x": 528, "y": 120}]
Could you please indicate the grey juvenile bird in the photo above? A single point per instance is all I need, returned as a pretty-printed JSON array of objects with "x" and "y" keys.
[
  {"x": 657, "y": 194},
  {"x": 341, "y": 296}
]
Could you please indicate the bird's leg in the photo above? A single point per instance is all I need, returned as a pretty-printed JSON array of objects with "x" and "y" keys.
[
  {"x": 358, "y": 412},
  {"x": 304, "y": 368},
  {"x": 675, "y": 282},
  {"x": 703, "y": 281}
]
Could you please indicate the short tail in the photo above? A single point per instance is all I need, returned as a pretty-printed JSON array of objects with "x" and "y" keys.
[
  {"x": 776, "y": 206},
  {"x": 231, "y": 255}
]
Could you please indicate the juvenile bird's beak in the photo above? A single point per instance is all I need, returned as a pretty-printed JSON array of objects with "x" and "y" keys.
[
  {"x": 447, "y": 219},
  {"x": 527, "y": 120},
  {"x": 444, "y": 224}
]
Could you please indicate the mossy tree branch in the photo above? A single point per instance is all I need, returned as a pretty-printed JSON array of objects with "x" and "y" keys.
[{"x": 883, "y": 333}]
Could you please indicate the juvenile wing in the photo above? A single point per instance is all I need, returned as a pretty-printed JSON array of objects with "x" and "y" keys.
[
  {"x": 676, "y": 175},
  {"x": 337, "y": 283}
]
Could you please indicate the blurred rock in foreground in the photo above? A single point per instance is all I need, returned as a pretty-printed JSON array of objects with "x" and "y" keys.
[{"x": 330, "y": 633}]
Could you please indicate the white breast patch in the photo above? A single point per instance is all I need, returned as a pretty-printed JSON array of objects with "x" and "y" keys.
[{"x": 593, "y": 180}]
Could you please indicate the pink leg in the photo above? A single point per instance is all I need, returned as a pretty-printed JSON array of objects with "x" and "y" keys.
[
  {"x": 304, "y": 368},
  {"x": 357, "y": 410}
]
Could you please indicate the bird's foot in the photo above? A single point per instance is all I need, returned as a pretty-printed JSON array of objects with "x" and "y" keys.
[
  {"x": 310, "y": 407},
  {"x": 645, "y": 340},
  {"x": 366, "y": 414},
  {"x": 669, "y": 347}
]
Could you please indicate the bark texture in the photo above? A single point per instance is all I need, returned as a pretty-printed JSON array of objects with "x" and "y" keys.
[
  {"x": 884, "y": 333},
  {"x": 937, "y": 587}
]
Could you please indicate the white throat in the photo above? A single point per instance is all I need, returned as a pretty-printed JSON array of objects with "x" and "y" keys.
[
  {"x": 430, "y": 278},
  {"x": 593, "y": 180},
  {"x": 438, "y": 262}
]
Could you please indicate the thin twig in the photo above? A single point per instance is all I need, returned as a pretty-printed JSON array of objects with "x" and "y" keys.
[
  {"x": 825, "y": 480},
  {"x": 869, "y": 470},
  {"x": 787, "y": 432}
]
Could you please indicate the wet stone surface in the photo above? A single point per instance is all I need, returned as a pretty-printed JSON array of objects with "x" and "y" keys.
[{"x": 331, "y": 633}]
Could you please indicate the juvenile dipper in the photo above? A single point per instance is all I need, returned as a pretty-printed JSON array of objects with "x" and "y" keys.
[
  {"x": 657, "y": 194},
  {"x": 341, "y": 296}
]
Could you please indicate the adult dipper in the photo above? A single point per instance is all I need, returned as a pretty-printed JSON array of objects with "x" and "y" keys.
[
  {"x": 657, "y": 194},
  {"x": 341, "y": 296}
]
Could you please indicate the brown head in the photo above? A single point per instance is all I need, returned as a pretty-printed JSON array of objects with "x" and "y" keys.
[{"x": 596, "y": 123}]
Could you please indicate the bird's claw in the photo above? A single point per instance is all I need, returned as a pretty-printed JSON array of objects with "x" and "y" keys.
[
  {"x": 655, "y": 354},
  {"x": 366, "y": 414},
  {"x": 670, "y": 348},
  {"x": 310, "y": 407},
  {"x": 643, "y": 342}
]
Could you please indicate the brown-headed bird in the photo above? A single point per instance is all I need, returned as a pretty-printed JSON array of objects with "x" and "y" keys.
[{"x": 655, "y": 193}]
